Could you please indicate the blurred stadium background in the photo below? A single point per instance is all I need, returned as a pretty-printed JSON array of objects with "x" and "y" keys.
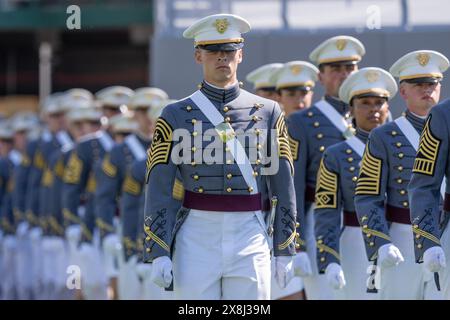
[{"x": 138, "y": 42}]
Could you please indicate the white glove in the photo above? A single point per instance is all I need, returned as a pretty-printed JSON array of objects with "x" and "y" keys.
[
  {"x": 35, "y": 234},
  {"x": 335, "y": 276},
  {"x": 302, "y": 265},
  {"x": 73, "y": 233},
  {"x": 22, "y": 229},
  {"x": 284, "y": 270},
  {"x": 111, "y": 243},
  {"x": 434, "y": 259},
  {"x": 162, "y": 271},
  {"x": 144, "y": 270},
  {"x": 389, "y": 256}
]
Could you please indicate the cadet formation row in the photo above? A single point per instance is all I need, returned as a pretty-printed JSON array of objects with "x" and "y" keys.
[{"x": 94, "y": 207}]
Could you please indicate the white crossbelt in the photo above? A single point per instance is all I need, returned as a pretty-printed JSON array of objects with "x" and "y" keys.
[
  {"x": 356, "y": 144},
  {"x": 236, "y": 149},
  {"x": 137, "y": 149},
  {"x": 335, "y": 117},
  {"x": 64, "y": 139},
  {"x": 106, "y": 141},
  {"x": 414, "y": 138},
  {"x": 15, "y": 157}
]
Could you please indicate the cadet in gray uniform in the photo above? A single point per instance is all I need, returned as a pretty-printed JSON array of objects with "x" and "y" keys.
[
  {"x": 311, "y": 131},
  {"x": 9, "y": 159},
  {"x": 115, "y": 166},
  {"x": 295, "y": 82},
  {"x": 430, "y": 226},
  {"x": 381, "y": 198},
  {"x": 341, "y": 253},
  {"x": 80, "y": 183},
  {"x": 217, "y": 244}
]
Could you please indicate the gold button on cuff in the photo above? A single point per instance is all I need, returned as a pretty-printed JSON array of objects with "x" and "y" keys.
[
  {"x": 229, "y": 190},
  {"x": 258, "y": 161},
  {"x": 394, "y": 133},
  {"x": 405, "y": 203},
  {"x": 193, "y": 163},
  {"x": 348, "y": 151},
  {"x": 148, "y": 250},
  {"x": 194, "y": 121},
  {"x": 194, "y": 149},
  {"x": 194, "y": 134},
  {"x": 322, "y": 149},
  {"x": 227, "y": 119},
  {"x": 402, "y": 192},
  {"x": 319, "y": 136},
  {"x": 371, "y": 244},
  {"x": 400, "y": 168},
  {"x": 316, "y": 124},
  {"x": 355, "y": 178},
  {"x": 250, "y": 189},
  {"x": 310, "y": 114},
  {"x": 322, "y": 259},
  {"x": 255, "y": 174},
  {"x": 350, "y": 159},
  {"x": 229, "y": 176},
  {"x": 401, "y": 155},
  {"x": 398, "y": 144},
  {"x": 229, "y": 161},
  {"x": 188, "y": 108},
  {"x": 399, "y": 181},
  {"x": 225, "y": 109},
  {"x": 196, "y": 177},
  {"x": 419, "y": 246},
  {"x": 200, "y": 190},
  {"x": 351, "y": 169},
  {"x": 147, "y": 238}
]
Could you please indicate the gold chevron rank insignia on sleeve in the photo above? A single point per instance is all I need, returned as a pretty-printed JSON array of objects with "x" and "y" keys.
[
  {"x": 159, "y": 151},
  {"x": 108, "y": 168},
  {"x": 178, "y": 190},
  {"x": 131, "y": 186},
  {"x": 294, "y": 144},
  {"x": 428, "y": 151},
  {"x": 284, "y": 149},
  {"x": 73, "y": 170},
  {"x": 369, "y": 176},
  {"x": 326, "y": 189}
]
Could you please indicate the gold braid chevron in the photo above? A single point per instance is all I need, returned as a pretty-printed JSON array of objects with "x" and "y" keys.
[
  {"x": 326, "y": 188},
  {"x": 178, "y": 190},
  {"x": 108, "y": 168},
  {"x": 369, "y": 176},
  {"x": 73, "y": 170},
  {"x": 289, "y": 240},
  {"x": 284, "y": 149},
  {"x": 329, "y": 250},
  {"x": 294, "y": 144},
  {"x": 155, "y": 238},
  {"x": 159, "y": 151},
  {"x": 428, "y": 151},
  {"x": 131, "y": 186}
]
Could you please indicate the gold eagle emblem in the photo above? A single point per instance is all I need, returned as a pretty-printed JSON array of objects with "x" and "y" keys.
[{"x": 221, "y": 25}]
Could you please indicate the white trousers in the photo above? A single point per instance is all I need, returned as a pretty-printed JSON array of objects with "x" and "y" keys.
[
  {"x": 24, "y": 277},
  {"x": 445, "y": 273},
  {"x": 37, "y": 263},
  {"x": 93, "y": 279},
  {"x": 355, "y": 265},
  {"x": 222, "y": 255},
  {"x": 129, "y": 286},
  {"x": 8, "y": 284},
  {"x": 316, "y": 286},
  {"x": 408, "y": 280}
]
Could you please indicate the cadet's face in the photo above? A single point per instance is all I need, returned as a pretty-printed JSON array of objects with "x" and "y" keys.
[
  {"x": 331, "y": 76},
  {"x": 110, "y": 112},
  {"x": 76, "y": 130},
  {"x": 268, "y": 94},
  {"x": 20, "y": 140},
  {"x": 219, "y": 67},
  {"x": 369, "y": 112},
  {"x": 294, "y": 100},
  {"x": 420, "y": 97},
  {"x": 90, "y": 127},
  {"x": 143, "y": 120},
  {"x": 56, "y": 122},
  {"x": 5, "y": 147}
]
